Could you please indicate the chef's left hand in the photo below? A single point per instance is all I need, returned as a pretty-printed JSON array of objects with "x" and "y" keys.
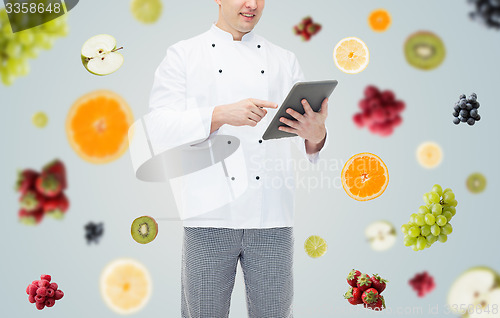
[{"x": 311, "y": 125}]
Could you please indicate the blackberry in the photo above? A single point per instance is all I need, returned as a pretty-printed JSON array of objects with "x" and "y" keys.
[
  {"x": 93, "y": 232},
  {"x": 486, "y": 12}
]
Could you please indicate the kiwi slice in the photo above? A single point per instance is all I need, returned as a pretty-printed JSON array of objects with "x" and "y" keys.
[
  {"x": 476, "y": 182},
  {"x": 424, "y": 50},
  {"x": 144, "y": 229}
]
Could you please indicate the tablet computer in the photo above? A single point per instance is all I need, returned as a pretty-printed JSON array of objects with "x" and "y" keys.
[{"x": 314, "y": 92}]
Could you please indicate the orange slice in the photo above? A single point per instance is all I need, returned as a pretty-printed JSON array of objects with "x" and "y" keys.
[
  {"x": 351, "y": 55},
  {"x": 379, "y": 20},
  {"x": 125, "y": 286},
  {"x": 365, "y": 177},
  {"x": 97, "y": 126}
]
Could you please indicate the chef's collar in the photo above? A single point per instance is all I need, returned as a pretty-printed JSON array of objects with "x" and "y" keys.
[{"x": 228, "y": 36}]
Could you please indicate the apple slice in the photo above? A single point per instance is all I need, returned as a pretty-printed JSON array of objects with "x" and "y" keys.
[
  {"x": 477, "y": 291},
  {"x": 381, "y": 235},
  {"x": 99, "y": 55}
]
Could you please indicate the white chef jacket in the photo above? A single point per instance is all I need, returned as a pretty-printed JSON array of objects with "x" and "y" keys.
[{"x": 212, "y": 69}]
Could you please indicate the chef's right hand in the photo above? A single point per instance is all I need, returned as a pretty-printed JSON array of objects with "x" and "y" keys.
[{"x": 246, "y": 112}]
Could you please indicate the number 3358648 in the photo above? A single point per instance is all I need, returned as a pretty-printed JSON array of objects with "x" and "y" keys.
[{"x": 33, "y": 8}]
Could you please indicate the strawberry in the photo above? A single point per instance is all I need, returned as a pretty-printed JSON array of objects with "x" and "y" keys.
[
  {"x": 30, "y": 218},
  {"x": 26, "y": 180},
  {"x": 307, "y": 20},
  {"x": 357, "y": 293},
  {"x": 305, "y": 36},
  {"x": 378, "y": 304},
  {"x": 56, "y": 207},
  {"x": 352, "y": 278},
  {"x": 313, "y": 28},
  {"x": 364, "y": 282},
  {"x": 31, "y": 201},
  {"x": 353, "y": 296},
  {"x": 369, "y": 296},
  {"x": 57, "y": 167},
  {"x": 48, "y": 184},
  {"x": 378, "y": 283}
]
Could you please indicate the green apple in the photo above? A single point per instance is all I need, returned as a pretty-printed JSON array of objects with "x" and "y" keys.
[
  {"x": 476, "y": 293},
  {"x": 99, "y": 55},
  {"x": 381, "y": 235}
]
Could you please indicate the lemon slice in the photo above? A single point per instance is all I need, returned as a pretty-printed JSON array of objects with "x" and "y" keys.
[
  {"x": 315, "y": 246},
  {"x": 351, "y": 55},
  {"x": 429, "y": 155},
  {"x": 125, "y": 286}
]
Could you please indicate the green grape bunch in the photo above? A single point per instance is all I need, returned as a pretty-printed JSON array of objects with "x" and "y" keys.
[
  {"x": 432, "y": 221},
  {"x": 17, "y": 48}
]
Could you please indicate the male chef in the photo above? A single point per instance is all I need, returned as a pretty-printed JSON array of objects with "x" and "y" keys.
[{"x": 229, "y": 81}]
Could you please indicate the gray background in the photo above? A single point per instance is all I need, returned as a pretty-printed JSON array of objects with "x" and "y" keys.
[{"x": 110, "y": 193}]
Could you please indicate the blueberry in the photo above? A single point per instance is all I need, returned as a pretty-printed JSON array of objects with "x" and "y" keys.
[
  {"x": 473, "y": 113},
  {"x": 455, "y": 114},
  {"x": 471, "y": 121},
  {"x": 473, "y": 95},
  {"x": 495, "y": 3},
  {"x": 456, "y": 121},
  {"x": 468, "y": 106},
  {"x": 464, "y": 113},
  {"x": 462, "y": 119},
  {"x": 456, "y": 108},
  {"x": 462, "y": 104},
  {"x": 478, "y": 117},
  {"x": 472, "y": 99},
  {"x": 476, "y": 105},
  {"x": 462, "y": 96}
]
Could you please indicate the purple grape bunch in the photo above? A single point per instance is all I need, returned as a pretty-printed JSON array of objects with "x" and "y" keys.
[
  {"x": 466, "y": 110},
  {"x": 487, "y": 12}
]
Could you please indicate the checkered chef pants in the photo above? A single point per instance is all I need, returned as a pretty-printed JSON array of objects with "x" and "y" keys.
[{"x": 209, "y": 260}]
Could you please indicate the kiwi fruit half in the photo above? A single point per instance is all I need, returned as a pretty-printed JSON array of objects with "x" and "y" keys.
[
  {"x": 424, "y": 50},
  {"x": 144, "y": 229},
  {"x": 476, "y": 182}
]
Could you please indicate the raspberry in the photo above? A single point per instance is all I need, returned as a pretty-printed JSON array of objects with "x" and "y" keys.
[
  {"x": 371, "y": 91},
  {"x": 364, "y": 105},
  {"x": 358, "y": 119},
  {"x": 54, "y": 286},
  {"x": 41, "y": 291},
  {"x": 46, "y": 277},
  {"x": 59, "y": 294},
  {"x": 422, "y": 283},
  {"x": 50, "y": 302},
  {"x": 40, "y": 306},
  {"x": 375, "y": 104},
  {"x": 39, "y": 299},
  {"x": 378, "y": 111},
  {"x": 387, "y": 96},
  {"x": 32, "y": 289},
  {"x": 50, "y": 292},
  {"x": 43, "y": 283},
  {"x": 35, "y": 282},
  {"x": 31, "y": 299}
]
